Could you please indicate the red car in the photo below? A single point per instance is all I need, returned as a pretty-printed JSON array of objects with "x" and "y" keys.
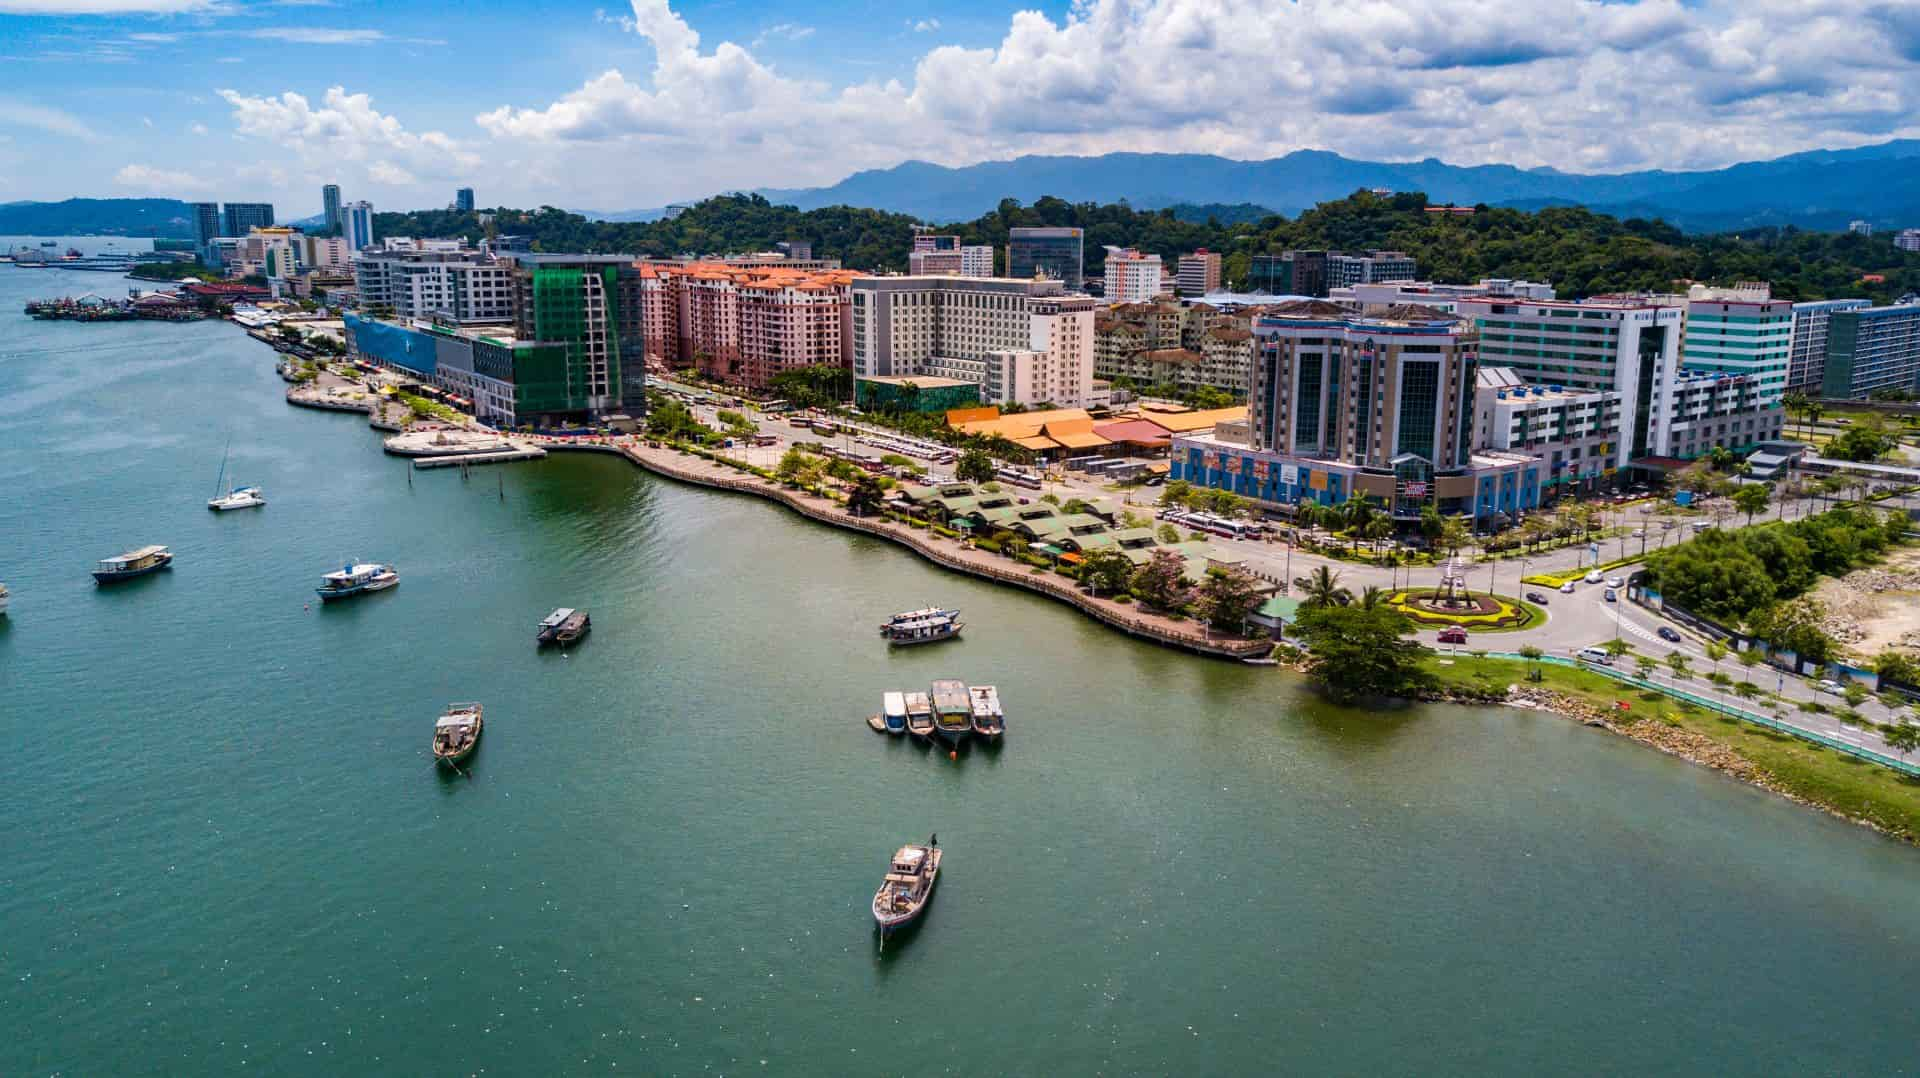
[{"x": 1453, "y": 634}]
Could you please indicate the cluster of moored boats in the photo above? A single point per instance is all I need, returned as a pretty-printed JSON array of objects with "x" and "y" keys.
[{"x": 952, "y": 710}]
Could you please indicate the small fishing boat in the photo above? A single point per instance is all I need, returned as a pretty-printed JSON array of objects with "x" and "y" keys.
[
  {"x": 952, "y": 710},
  {"x": 356, "y": 578},
  {"x": 457, "y": 733},
  {"x": 564, "y": 626},
  {"x": 3, "y": 600},
  {"x": 237, "y": 497},
  {"x": 988, "y": 720},
  {"x": 917, "y": 615},
  {"x": 147, "y": 559},
  {"x": 919, "y": 714},
  {"x": 903, "y": 895},
  {"x": 877, "y": 723},
  {"x": 926, "y": 630},
  {"x": 893, "y": 711}
]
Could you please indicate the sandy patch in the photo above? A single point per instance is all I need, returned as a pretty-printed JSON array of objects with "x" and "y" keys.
[{"x": 1872, "y": 609}]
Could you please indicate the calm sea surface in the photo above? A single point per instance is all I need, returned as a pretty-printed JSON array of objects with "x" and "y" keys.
[{"x": 225, "y": 847}]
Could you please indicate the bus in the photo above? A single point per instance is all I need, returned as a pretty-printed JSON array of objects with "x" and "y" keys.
[{"x": 1018, "y": 478}]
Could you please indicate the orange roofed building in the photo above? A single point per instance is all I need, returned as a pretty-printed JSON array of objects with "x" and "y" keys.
[{"x": 745, "y": 324}]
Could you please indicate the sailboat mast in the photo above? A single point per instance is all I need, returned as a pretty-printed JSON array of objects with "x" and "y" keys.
[{"x": 222, "y": 477}]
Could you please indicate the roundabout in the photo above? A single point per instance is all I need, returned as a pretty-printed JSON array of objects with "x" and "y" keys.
[{"x": 1473, "y": 611}]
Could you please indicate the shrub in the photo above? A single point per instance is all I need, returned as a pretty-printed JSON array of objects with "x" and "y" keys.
[
  {"x": 987, "y": 545},
  {"x": 1123, "y": 599}
]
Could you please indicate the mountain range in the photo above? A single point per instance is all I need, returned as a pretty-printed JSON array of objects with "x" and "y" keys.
[{"x": 1819, "y": 189}]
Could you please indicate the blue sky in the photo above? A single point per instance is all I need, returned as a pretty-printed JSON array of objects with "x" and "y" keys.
[{"x": 614, "y": 106}]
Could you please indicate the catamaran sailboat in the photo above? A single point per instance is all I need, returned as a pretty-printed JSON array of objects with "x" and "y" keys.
[{"x": 236, "y": 498}]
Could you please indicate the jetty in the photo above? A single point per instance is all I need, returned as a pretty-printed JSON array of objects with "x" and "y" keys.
[{"x": 461, "y": 460}]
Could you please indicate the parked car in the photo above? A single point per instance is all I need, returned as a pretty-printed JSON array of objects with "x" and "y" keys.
[
  {"x": 1567, "y": 588},
  {"x": 1616, "y": 582},
  {"x": 1830, "y": 686},
  {"x": 1595, "y": 576},
  {"x": 1611, "y": 595},
  {"x": 1453, "y": 634},
  {"x": 1669, "y": 635},
  {"x": 1536, "y": 597}
]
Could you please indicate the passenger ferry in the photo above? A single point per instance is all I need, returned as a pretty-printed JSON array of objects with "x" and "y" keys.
[
  {"x": 356, "y": 579},
  {"x": 147, "y": 559},
  {"x": 952, "y": 710},
  {"x": 917, "y": 615},
  {"x": 923, "y": 630}
]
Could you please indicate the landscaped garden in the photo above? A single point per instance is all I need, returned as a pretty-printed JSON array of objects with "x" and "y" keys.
[{"x": 1473, "y": 611}]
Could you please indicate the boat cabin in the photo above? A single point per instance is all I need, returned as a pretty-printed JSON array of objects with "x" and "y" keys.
[
  {"x": 910, "y": 862},
  {"x": 554, "y": 620},
  {"x": 133, "y": 559}
]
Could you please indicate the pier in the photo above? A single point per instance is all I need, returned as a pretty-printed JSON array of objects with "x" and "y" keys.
[{"x": 461, "y": 460}]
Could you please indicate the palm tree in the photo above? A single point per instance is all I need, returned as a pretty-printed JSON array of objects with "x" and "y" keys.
[
  {"x": 1678, "y": 662},
  {"x": 1716, "y": 651},
  {"x": 1377, "y": 529},
  {"x": 1372, "y": 597},
  {"x": 1795, "y": 403},
  {"x": 1321, "y": 588}
]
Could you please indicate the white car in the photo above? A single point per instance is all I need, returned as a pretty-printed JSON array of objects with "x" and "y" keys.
[
  {"x": 1567, "y": 588},
  {"x": 1595, "y": 577},
  {"x": 1616, "y": 582},
  {"x": 1830, "y": 687}
]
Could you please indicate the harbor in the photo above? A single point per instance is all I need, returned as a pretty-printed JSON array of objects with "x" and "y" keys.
[{"x": 1170, "y": 844}]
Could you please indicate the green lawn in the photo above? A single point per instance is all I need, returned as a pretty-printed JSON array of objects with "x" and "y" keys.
[{"x": 1802, "y": 768}]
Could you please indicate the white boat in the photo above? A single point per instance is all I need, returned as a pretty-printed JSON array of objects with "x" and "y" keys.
[
  {"x": 3, "y": 599},
  {"x": 236, "y": 498},
  {"x": 893, "y": 712},
  {"x": 357, "y": 578},
  {"x": 988, "y": 719},
  {"x": 917, "y": 615},
  {"x": 903, "y": 894}
]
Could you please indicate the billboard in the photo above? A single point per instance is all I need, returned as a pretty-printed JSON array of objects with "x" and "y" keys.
[{"x": 1290, "y": 475}]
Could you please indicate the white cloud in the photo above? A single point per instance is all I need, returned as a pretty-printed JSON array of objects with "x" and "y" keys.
[
  {"x": 783, "y": 31},
  {"x": 154, "y": 39},
  {"x": 158, "y": 180},
  {"x": 146, "y": 121},
  {"x": 344, "y": 133},
  {"x": 315, "y": 35},
  {"x": 925, "y": 26},
  {"x": 1580, "y": 84},
  {"x": 17, "y": 113},
  {"x": 198, "y": 129},
  {"x": 107, "y": 7}
]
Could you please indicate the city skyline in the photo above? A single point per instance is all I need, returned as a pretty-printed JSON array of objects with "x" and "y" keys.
[{"x": 620, "y": 108}]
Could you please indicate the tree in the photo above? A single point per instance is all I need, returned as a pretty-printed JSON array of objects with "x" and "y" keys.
[
  {"x": 975, "y": 466},
  {"x": 1750, "y": 657},
  {"x": 1432, "y": 524},
  {"x": 1903, "y": 738},
  {"x": 1226, "y": 597},
  {"x": 1645, "y": 665},
  {"x": 1377, "y": 529},
  {"x": 1795, "y": 626},
  {"x": 865, "y": 496},
  {"x": 1855, "y": 694},
  {"x": 1713, "y": 574},
  {"x": 1372, "y": 596},
  {"x": 1751, "y": 498},
  {"x": 1533, "y": 654},
  {"x": 1106, "y": 571},
  {"x": 1897, "y": 667},
  {"x": 1176, "y": 493},
  {"x": 1715, "y": 652},
  {"x": 1168, "y": 534},
  {"x": 1075, "y": 506},
  {"x": 1617, "y": 647},
  {"x": 1359, "y": 653},
  {"x": 1161, "y": 582},
  {"x": 1321, "y": 588},
  {"x": 1679, "y": 662}
]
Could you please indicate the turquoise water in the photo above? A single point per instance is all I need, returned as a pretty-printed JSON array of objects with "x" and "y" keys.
[{"x": 228, "y": 850}]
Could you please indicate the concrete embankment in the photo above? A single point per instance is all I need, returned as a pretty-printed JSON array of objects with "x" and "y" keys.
[{"x": 693, "y": 469}]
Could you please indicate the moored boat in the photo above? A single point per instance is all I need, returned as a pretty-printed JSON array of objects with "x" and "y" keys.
[
  {"x": 877, "y": 723},
  {"x": 893, "y": 710},
  {"x": 903, "y": 895},
  {"x": 988, "y": 720},
  {"x": 3, "y": 600},
  {"x": 357, "y": 578},
  {"x": 457, "y": 733},
  {"x": 923, "y": 630},
  {"x": 237, "y": 498},
  {"x": 147, "y": 559},
  {"x": 919, "y": 714},
  {"x": 564, "y": 626},
  {"x": 918, "y": 615},
  {"x": 952, "y": 710}
]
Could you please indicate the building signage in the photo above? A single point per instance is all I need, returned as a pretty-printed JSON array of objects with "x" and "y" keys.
[
  {"x": 1261, "y": 469},
  {"x": 1317, "y": 480},
  {"x": 1233, "y": 465},
  {"x": 1416, "y": 490},
  {"x": 1290, "y": 474},
  {"x": 1212, "y": 458}
]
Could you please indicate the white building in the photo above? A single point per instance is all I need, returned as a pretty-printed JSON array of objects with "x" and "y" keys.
[
  {"x": 951, "y": 326},
  {"x": 1199, "y": 273},
  {"x": 1571, "y": 431},
  {"x": 976, "y": 261},
  {"x": 1907, "y": 239},
  {"x": 934, "y": 263},
  {"x": 1131, "y": 276},
  {"x": 326, "y": 254},
  {"x": 461, "y": 284},
  {"x": 1741, "y": 330},
  {"x": 1376, "y": 296},
  {"x": 1860, "y": 228},
  {"x": 1373, "y": 267}
]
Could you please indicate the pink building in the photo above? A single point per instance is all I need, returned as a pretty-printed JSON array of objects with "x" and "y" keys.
[{"x": 744, "y": 325}]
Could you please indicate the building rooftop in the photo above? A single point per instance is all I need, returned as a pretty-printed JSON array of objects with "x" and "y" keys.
[{"x": 921, "y": 381}]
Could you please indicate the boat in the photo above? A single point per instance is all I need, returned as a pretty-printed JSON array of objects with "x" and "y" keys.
[
  {"x": 919, "y": 714},
  {"x": 903, "y": 895},
  {"x": 893, "y": 710},
  {"x": 3, "y": 600},
  {"x": 952, "y": 711},
  {"x": 988, "y": 719},
  {"x": 236, "y": 498},
  {"x": 457, "y": 733},
  {"x": 564, "y": 627},
  {"x": 147, "y": 559},
  {"x": 877, "y": 723},
  {"x": 926, "y": 630},
  {"x": 356, "y": 578},
  {"x": 917, "y": 615}
]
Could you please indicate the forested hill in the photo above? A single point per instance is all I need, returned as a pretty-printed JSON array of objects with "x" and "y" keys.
[{"x": 1579, "y": 251}]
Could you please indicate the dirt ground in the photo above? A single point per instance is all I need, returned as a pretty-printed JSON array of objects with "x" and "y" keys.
[{"x": 1869, "y": 610}]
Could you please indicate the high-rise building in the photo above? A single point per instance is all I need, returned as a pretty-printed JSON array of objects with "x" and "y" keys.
[
  {"x": 1199, "y": 273},
  {"x": 240, "y": 218},
  {"x": 1058, "y": 253},
  {"x": 1871, "y": 348},
  {"x": 744, "y": 324},
  {"x": 924, "y": 239},
  {"x": 463, "y": 200},
  {"x": 206, "y": 228},
  {"x": 1373, "y": 267},
  {"x": 461, "y": 286},
  {"x": 1807, "y": 364},
  {"x": 976, "y": 261},
  {"x": 359, "y": 225},
  {"x": 1289, "y": 273},
  {"x": 1740, "y": 330},
  {"x": 591, "y": 305},
  {"x": 330, "y": 204},
  {"x": 1860, "y": 227},
  {"x": 1907, "y": 239},
  {"x": 950, "y": 326},
  {"x": 933, "y": 263},
  {"x": 1131, "y": 276}
]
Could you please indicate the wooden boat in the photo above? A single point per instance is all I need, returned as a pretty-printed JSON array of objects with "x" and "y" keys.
[
  {"x": 919, "y": 714},
  {"x": 923, "y": 630},
  {"x": 988, "y": 719},
  {"x": 564, "y": 627},
  {"x": 893, "y": 712},
  {"x": 457, "y": 733},
  {"x": 903, "y": 895},
  {"x": 952, "y": 710},
  {"x": 917, "y": 615},
  {"x": 147, "y": 559},
  {"x": 877, "y": 723}
]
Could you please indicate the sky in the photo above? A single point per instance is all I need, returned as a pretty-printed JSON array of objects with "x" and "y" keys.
[{"x": 611, "y": 107}]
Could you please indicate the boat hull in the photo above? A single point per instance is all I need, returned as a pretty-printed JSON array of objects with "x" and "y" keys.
[
  {"x": 909, "y": 641},
  {"x": 329, "y": 595},
  {"x": 116, "y": 576},
  {"x": 222, "y": 505},
  {"x": 953, "y": 734},
  {"x": 460, "y": 757}
]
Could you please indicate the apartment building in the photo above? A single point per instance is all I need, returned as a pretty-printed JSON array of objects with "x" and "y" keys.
[
  {"x": 1570, "y": 431},
  {"x": 1807, "y": 354},
  {"x": 405, "y": 280},
  {"x": 1198, "y": 273},
  {"x": 1168, "y": 342},
  {"x": 590, "y": 307},
  {"x": 1740, "y": 330},
  {"x": 1871, "y": 348},
  {"x": 1441, "y": 297},
  {"x": 949, "y": 326},
  {"x": 743, "y": 325},
  {"x": 976, "y": 260},
  {"x": 1907, "y": 239},
  {"x": 1132, "y": 277},
  {"x": 359, "y": 225}
]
